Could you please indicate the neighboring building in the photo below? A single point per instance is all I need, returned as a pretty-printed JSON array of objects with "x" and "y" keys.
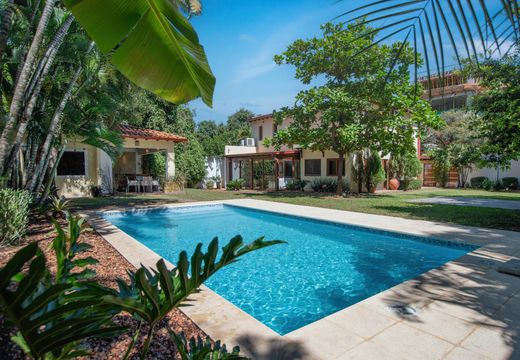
[
  {"x": 274, "y": 169},
  {"x": 83, "y": 166},
  {"x": 456, "y": 95}
]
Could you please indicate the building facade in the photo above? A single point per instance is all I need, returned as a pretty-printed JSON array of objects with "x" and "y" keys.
[{"x": 83, "y": 166}]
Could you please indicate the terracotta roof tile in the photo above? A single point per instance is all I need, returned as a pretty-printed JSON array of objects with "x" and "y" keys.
[{"x": 149, "y": 134}]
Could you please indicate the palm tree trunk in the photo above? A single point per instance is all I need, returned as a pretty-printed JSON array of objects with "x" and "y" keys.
[
  {"x": 36, "y": 84},
  {"x": 54, "y": 127},
  {"x": 21, "y": 84},
  {"x": 5, "y": 28},
  {"x": 51, "y": 176}
]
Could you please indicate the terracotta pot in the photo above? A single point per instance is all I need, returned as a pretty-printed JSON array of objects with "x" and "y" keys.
[
  {"x": 373, "y": 189},
  {"x": 394, "y": 184}
]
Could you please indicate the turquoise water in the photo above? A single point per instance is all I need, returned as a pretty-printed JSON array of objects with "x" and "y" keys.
[{"x": 324, "y": 267}]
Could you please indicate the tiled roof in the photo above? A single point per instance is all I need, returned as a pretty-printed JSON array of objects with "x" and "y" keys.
[
  {"x": 262, "y": 117},
  {"x": 149, "y": 134}
]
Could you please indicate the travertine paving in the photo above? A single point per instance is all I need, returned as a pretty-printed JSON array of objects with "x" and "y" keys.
[{"x": 462, "y": 310}]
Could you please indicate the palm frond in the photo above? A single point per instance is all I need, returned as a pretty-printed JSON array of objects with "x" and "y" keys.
[{"x": 444, "y": 31}]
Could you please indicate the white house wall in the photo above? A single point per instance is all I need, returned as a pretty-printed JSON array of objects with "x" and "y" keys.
[{"x": 491, "y": 173}]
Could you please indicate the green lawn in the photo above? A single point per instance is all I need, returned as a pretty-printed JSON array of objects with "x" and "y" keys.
[{"x": 389, "y": 203}]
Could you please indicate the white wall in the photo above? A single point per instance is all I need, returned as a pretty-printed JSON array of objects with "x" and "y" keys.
[
  {"x": 215, "y": 167},
  {"x": 235, "y": 149},
  {"x": 491, "y": 173}
]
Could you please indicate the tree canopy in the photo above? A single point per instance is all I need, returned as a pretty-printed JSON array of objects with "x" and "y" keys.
[{"x": 366, "y": 101}]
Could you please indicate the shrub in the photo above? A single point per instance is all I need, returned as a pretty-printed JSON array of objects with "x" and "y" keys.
[
  {"x": 406, "y": 166},
  {"x": 237, "y": 184},
  {"x": 210, "y": 184},
  {"x": 414, "y": 184},
  {"x": 487, "y": 184},
  {"x": 510, "y": 183},
  {"x": 14, "y": 212},
  {"x": 478, "y": 181},
  {"x": 297, "y": 185},
  {"x": 376, "y": 173},
  {"x": 440, "y": 166},
  {"x": 95, "y": 190},
  {"x": 328, "y": 185}
]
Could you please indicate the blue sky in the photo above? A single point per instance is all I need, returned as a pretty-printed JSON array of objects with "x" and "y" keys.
[{"x": 241, "y": 38}]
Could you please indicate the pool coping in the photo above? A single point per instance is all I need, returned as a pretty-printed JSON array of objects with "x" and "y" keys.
[{"x": 364, "y": 326}]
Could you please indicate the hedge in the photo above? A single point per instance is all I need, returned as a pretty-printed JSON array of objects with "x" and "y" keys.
[
  {"x": 510, "y": 183},
  {"x": 414, "y": 184},
  {"x": 478, "y": 182}
]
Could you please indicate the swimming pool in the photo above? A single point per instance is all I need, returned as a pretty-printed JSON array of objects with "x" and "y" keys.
[{"x": 325, "y": 267}]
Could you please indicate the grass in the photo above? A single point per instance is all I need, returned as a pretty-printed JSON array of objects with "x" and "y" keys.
[{"x": 388, "y": 203}]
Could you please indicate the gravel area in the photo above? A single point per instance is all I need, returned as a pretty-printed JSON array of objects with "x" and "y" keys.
[{"x": 111, "y": 266}]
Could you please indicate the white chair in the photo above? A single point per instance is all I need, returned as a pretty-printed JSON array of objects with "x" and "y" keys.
[
  {"x": 155, "y": 183},
  {"x": 133, "y": 183},
  {"x": 147, "y": 181}
]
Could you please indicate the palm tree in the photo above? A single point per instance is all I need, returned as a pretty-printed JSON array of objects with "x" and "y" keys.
[
  {"x": 469, "y": 28},
  {"x": 23, "y": 79}
]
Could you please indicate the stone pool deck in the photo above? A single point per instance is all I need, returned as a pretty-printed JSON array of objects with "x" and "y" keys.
[{"x": 463, "y": 310}]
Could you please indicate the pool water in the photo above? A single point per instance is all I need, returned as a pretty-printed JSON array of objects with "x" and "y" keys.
[{"x": 323, "y": 268}]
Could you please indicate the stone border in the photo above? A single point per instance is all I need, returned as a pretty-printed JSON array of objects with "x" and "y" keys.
[{"x": 427, "y": 317}]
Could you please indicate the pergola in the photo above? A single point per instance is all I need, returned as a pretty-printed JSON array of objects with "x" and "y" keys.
[{"x": 263, "y": 167}]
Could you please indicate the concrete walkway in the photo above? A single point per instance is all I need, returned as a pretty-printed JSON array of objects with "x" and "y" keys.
[{"x": 467, "y": 201}]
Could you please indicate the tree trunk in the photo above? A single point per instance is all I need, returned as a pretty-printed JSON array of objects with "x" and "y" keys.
[
  {"x": 51, "y": 176},
  {"x": 35, "y": 86},
  {"x": 339, "y": 187},
  {"x": 21, "y": 84},
  {"x": 5, "y": 27},
  {"x": 54, "y": 126},
  {"x": 360, "y": 171},
  {"x": 45, "y": 63}
]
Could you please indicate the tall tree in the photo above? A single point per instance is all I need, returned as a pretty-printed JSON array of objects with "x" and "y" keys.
[
  {"x": 498, "y": 108},
  {"x": 367, "y": 101}
]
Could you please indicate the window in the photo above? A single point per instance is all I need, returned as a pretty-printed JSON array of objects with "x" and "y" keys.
[
  {"x": 288, "y": 169},
  {"x": 72, "y": 163},
  {"x": 275, "y": 128},
  {"x": 333, "y": 166},
  {"x": 260, "y": 133},
  {"x": 313, "y": 167}
]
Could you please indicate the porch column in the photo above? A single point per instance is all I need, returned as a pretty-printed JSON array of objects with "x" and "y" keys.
[
  {"x": 276, "y": 175},
  {"x": 170, "y": 163}
]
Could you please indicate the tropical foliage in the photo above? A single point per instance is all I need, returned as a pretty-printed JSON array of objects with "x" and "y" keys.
[
  {"x": 53, "y": 311},
  {"x": 14, "y": 215},
  {"x": 497, "y": 124},
  {"x": 441, "y": 30},
  {"x": 366, "y": 103}
]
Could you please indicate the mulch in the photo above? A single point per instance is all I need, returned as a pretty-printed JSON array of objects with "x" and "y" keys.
[{"x": 111, "y": 266}]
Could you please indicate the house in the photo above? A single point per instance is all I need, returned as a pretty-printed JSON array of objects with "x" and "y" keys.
[
  {"x": 274, "y": 169},
  {"x": 83, "y": 166},
  {"x": 456, "y": 95}
]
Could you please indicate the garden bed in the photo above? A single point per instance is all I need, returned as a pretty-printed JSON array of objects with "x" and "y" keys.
[{"x": 111, "y": 266}]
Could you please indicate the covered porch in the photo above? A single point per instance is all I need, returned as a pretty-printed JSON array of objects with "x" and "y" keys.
[
  {"x": 129, "y": 172},
  {"x": 264, "y": 171}
]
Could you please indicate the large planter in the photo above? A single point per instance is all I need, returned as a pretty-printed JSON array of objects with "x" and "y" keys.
[
  {"x": 373, "y": 188},
  {"x": 393, "y": 184}
]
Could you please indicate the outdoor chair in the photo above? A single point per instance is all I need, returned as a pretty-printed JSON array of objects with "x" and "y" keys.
[
  {"x": 134, "y": 183},
  {"x": 155, "y": 183},
  {"x": 147, "y": 182}
]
